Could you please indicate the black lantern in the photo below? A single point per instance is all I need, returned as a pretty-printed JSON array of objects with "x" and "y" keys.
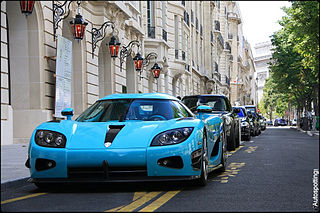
[
  {"x": 99, "y": 34},
  {"x": 156, "y": 70},
  {"x": 78, "y": 25},
  {"x": 114, "y": 45},
  {"x": 26, "y": 7},
  {"x": 138, "y": 62}
]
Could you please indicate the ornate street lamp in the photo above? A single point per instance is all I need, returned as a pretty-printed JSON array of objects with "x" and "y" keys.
[
  {"x": 155, "y": 68},
  {"x": 26, "y": 7},
  {"x": 61, "y": 12},
  {"x": 138, "y": 61},
  {"x": 126, "y": 51},
  {"x": 78, "y": 25},
  {"x": 99, "y": 34}
]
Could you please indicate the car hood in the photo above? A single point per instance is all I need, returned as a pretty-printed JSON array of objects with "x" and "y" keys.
[{"x": 134, "y": 134}]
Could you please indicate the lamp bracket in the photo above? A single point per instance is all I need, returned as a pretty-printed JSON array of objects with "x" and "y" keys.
[
  {"x": 99, "y": 34},
  {"x": 127, "y": 50},
  {"x": 146, "y": 61},
  {"x": 59, "y": 13}
]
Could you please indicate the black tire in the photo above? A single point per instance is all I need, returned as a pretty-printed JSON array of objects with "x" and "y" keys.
[
  {"x": 248, "y": 137},
  {"x": 202, "y": 181},
  {"x": 238, "y": 138},
  {"x": 224, "y": 155},
  {"x": 231, "y": 143},
  {"x": 43, "y": 185}
]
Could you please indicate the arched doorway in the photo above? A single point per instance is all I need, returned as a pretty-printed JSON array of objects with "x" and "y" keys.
[{"x": 26, "y": 84}]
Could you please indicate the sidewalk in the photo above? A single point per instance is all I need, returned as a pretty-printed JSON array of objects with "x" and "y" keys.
[
  {"x": 13, "y": 158},
  {"x": 310, "y": 133}
]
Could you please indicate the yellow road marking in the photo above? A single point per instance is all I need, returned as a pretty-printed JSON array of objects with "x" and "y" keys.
[
  {"x": 139, "y": 202},
  {"x": 138, "y": 195},
  {"x": 114, "y": 210},
  {"x": 160, "y": 201},
  {"x": 22, "y": 198}
]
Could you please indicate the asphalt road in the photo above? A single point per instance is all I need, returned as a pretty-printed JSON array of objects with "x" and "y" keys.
[{"x": 272, "y": 172}]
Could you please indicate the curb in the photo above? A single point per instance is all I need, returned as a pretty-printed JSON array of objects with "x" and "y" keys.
[{"x": 14, "y": 184}]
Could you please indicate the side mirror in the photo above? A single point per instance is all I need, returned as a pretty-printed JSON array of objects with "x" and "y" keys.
[
  {"x": 204, "y": 108},
  {"x": 68, "y": 112},
  {"x": 236, "y": 110}
]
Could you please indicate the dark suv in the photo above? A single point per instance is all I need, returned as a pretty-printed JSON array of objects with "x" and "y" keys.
[{"x": 221, "y": 106}]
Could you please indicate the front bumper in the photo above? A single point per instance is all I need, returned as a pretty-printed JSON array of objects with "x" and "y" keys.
[{"x": 111, "y": 165}]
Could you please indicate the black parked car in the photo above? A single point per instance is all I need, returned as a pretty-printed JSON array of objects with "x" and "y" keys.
[
  {"x": 254, "y": 119},
  {"x": 263, "y": 122},
  {"x": 220, "y": 106},
  {"x": 246, "y": 124},
  {"x": 280, "y": 122}
]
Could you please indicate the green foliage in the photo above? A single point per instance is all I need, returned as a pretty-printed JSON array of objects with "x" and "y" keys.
[{"x": 294, "y": 71}]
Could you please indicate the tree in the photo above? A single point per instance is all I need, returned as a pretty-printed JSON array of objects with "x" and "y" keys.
[{"x": 295, "y": 59}]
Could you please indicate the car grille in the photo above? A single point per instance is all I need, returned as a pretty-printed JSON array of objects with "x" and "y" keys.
[{"x": 118, "y": 173}]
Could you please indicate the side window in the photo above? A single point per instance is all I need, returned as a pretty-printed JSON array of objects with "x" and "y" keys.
[
  {"x": 178, "y": 110},
  {"x": 227, "y": 104}
]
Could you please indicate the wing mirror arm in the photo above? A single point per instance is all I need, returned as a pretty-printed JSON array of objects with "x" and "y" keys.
[{"x": 68, "y": 112}]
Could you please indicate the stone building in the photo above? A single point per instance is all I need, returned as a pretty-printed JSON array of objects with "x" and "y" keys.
[
  {"x": 196, "y": 43},
  {"x": 262, "y": 59}
]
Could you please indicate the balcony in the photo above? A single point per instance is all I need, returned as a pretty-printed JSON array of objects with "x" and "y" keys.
[
  {"x": 164, "y": 34},
  {"x": 186, "y": 17},
  {"x": 187, "y": 67},
  {"x": 220, "y": 38},
  {"x": 217, "y": 25},
  {"x": 197, "y": 24},
  {"x": 216, "y": 67},
  {"x": 176, "y": 53},
  {"x": 151, "y": 32},
  {"x": 228, "y": 47}
]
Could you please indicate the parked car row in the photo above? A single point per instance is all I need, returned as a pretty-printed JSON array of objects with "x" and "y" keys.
[{"x": 140, "y": 137}]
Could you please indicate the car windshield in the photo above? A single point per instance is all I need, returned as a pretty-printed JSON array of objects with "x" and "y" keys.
[
  {"x": 217, "y": 103},
  {"x": 252, "y": 109},
  {"x": 133, "y": 109}
]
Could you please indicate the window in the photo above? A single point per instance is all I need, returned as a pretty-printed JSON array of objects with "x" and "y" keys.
[
  {"x": 176, "y": 33},
  {"x": 150, "y": 14}
]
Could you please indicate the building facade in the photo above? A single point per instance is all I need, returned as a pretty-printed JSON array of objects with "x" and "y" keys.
[
  {"x": 261, "y": 60},
  {"x": 196, "y": 42}
]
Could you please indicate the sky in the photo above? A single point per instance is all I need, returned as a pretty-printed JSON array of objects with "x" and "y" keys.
[{"x": 260, "y": 19}]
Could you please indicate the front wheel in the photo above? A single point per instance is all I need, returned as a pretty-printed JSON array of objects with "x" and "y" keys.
[
  {"x": 202, "y": 181},
  {"x": 224, "y": 154}
]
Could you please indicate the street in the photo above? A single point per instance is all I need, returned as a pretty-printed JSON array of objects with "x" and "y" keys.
[{"x": 272, "y": 172}]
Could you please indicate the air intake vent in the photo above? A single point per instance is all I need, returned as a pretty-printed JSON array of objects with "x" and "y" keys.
[{"x": 112, "y": 133}]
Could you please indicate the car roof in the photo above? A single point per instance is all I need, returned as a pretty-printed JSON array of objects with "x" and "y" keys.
[
  {"x": 205, "y": 95},
  {"x": 163, "y": 96}
]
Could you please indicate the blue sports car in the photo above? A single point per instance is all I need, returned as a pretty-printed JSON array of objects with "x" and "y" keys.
[{"x": 128, "y": 137}]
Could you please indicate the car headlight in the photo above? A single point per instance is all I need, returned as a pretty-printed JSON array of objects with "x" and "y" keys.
[
  {"x": 49, "y": 138},
  {"x": 171, "y": 137},
  {"x": 245, "y": 123}
]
